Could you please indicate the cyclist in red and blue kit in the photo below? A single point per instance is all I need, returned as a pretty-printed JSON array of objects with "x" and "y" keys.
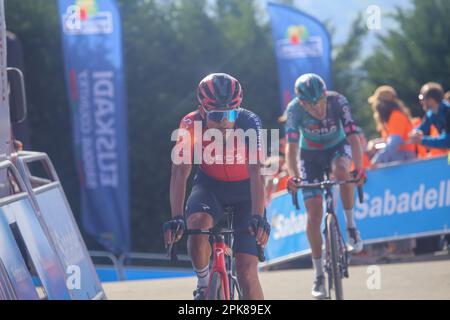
[{"x": 220, "y": 183}]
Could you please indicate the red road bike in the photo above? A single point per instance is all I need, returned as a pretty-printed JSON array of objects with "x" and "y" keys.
[{"x": 223, "y": 282}]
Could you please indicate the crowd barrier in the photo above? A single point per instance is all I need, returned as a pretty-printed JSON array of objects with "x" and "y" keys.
[
  {"x": 402, "y": 201},
  {"x": 42, "y": 253},
  {"x": 15, "y": 280}
]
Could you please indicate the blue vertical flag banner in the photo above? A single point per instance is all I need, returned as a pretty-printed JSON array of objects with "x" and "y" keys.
[
  {"x": 302, "y": 45},
  {"x": 92, "y": 41}
]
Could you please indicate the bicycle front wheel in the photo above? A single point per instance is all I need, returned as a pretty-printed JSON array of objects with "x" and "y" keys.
[
  {"x": 334, "y": 272},
  {"x": 216, "y": 290}
]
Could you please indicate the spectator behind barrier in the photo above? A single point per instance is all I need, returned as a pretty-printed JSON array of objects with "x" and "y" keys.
[
  {"x": 393, "y": 120},
  {"x": 395, "y": 127},
  {"x": 447, "y": 96},
  {"x": 425, "y": 152},
  {"x": 437, "y": 114},
  {"x": 422, "y": 152},
  {"x": 277, "y": 182},
  {"x": 386, "y": 93}
]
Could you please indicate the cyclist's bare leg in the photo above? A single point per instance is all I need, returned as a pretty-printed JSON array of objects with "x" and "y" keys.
[
  {"x": 314, "y": 208},
  {"x": 247, "y": 273},
  {"x": 199, "y": 248},
  {"x": 341, "y": 171}
]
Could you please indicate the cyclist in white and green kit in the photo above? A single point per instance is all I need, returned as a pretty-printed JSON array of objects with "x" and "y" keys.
[{"x": 320, "y": 128}]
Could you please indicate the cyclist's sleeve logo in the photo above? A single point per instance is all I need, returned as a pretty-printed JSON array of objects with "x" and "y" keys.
[
  {"x": 347, "y": 118},
  {"x": 292, "y": 131},
  {"x": 344, "y": 104},
  {"x": 293, "y": 136},
  {"x": 258, "y": 128}
]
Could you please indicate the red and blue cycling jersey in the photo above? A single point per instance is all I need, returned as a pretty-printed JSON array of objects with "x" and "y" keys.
[{"x": 227, "y": 166}]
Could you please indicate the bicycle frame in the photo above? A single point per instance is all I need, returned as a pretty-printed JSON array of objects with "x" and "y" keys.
[
  {"x": 220, "y": 266},
  {"x": 223, "y": 256},
  {"x": 229, "y": 259},
  {"x": 342, "y": 253},
  {"x": 330, "y": 210}
]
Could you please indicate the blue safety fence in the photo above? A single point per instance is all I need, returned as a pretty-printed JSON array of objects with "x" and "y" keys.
[
  {"x": 401, "y": 201},
  {"x": 109, "y": 274}
]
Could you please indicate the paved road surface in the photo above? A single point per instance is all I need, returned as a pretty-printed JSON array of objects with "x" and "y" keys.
[{"x": 424, "y": 280}]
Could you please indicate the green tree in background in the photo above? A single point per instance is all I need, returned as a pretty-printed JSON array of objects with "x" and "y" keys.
[
  {"x": 349, "y": 75},
  {"x": 416, "y": 52}
]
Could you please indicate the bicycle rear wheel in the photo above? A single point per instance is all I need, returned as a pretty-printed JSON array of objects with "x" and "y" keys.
[
  {"x": 215, "y": 291},
  {"x": 334, "y": 272}
]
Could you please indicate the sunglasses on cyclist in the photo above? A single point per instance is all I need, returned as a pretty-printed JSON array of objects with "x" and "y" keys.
[{"x": 219, "y": 116}]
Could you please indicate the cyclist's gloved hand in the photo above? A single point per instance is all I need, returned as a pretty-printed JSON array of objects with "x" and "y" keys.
[
  {"x": 176, "y": 225},
  {"x": 260, "y": 228},
  {"x": 361, "y": 175},
  {"x": 292, "y": 185}
]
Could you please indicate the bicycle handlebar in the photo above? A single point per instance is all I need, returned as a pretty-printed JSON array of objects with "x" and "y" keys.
[
  {"x": 324, "y": 185},
  {"x": 211, "y": 232},
  {"x": 173, "y": 257}
]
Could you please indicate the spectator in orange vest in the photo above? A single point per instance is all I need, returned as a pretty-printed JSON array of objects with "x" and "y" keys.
[
  {"x": 386, "y": 93},
  {"x": 383, "y": 93},
  {"x": 392, "y": 119},
  {"x": 395, "y": 126}
]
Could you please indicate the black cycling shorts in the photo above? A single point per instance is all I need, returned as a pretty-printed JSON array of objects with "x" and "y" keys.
[
  {"x": 212, "y": 196},
  {"x": 314, "y": 163}
]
